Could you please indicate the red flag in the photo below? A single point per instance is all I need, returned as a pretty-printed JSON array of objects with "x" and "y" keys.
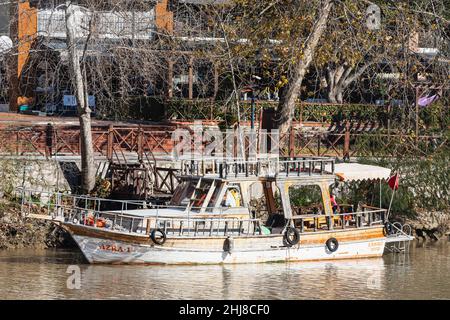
[{"x": 393, "y": 182}]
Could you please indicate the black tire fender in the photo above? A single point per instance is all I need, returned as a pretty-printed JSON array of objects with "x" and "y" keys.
[
  {"x": 387, "y": 230},
  {"x": 158, "y": 240},
  {"x": 332, "y": 244},
  {"x": 228, "y": 245},
  {"x": 292, "y": 236}
]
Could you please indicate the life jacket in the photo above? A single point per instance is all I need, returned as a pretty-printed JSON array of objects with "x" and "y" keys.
[{"x": 89, "y": 221}]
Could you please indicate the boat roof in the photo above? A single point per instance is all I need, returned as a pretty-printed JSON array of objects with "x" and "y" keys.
[{"x": 357, "y": 171}]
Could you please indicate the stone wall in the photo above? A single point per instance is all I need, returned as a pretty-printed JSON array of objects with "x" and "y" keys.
[{"x": 39, "y": 175}]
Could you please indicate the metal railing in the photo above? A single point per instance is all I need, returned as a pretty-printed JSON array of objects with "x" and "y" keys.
[
  {"x": 397, "y": 229},
  {"x": 207, "y": 227},
  {"x": 271, "y": 167},
  {"x": 113, "y": 25},
  {"x": 54, "y": 203},
  {"x": 365, "y": 218},
  {"x": 87, "y": 211},
  {"x": 172, "y": 226},
  {"x": 213, "y": 221}
]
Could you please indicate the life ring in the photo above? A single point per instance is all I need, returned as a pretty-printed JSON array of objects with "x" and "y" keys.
[
  {"x": 158, "y": 240},
  {"x": 332, "y": 244},
  {"x": 292, "y": 236}
]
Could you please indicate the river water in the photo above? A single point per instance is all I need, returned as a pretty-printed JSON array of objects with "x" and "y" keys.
[{"x": 423, "y": 273}]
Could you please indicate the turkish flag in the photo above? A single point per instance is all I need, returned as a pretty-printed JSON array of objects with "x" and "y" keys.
[{"x": 393, "y": 182}]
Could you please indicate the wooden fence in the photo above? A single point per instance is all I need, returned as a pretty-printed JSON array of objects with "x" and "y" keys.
[{"x": 120, "y": 143}]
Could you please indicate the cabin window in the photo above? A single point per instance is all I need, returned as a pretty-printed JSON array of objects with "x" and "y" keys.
[
  {"x": 164, "y": 224},
  {"x": 201, "y": 192},
  {"x": 306, "y": 200},
  {"x": 215, "y": 195},
  {"x": 232, "y": 197},
  {"x": 183, "y": 193}
]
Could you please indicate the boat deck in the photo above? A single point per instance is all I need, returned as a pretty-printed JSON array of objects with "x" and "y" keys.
[{"x": 398, "y": 238}]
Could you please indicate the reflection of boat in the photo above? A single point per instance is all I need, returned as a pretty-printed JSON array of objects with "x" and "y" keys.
[{"x": 209, "y": 219}]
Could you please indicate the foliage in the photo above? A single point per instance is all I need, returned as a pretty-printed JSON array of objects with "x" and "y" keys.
[
  {"x": 305, "y": 196},
  {"x": 368, "y": 192},
  {"x": 435, "y": 117},
  {"x": 102, "y": 188},
  {"x": 423, "y": 183}
]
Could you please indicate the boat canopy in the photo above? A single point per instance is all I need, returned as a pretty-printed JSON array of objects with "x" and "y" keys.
[{"x": 357, "y": 171}]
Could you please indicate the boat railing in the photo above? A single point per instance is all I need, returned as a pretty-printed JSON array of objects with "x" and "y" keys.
[
  {"x": 87, "y": 211},
  {"x": 210, "y": 226},
  {"x": 367, "y": 217},
  {"x": 398, "y": 229},
  {"x": 217, "y": 224},
  {"x": 271, "y": 167},
  {"x": 194, "y": 221},
  {"x": 54, "y": 204},
  {"x": 207, "y": 226},
  {"x": 51, "y": 203},
  {"x": 106, "y": 220}
]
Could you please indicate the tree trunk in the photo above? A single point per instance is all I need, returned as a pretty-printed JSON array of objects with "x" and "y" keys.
[
  {"x": 336, "y": 82},
  {"x": 84, "y": 112},
  {"x": 335, "y": 94},
  {"x": 339, "y": 97},
  {"x": 286, "y": 107},
  {"x": 339, "y": 78}
]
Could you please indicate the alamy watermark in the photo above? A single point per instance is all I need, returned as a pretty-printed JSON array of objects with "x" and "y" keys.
[
  {"x": 374, "y": 281},
  {"x": 74, "y": 279},
  {"x": 373, "y": 17},
  {"x": 211, "y": 142}
]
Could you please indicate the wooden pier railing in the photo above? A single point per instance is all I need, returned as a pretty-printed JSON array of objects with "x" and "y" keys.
[{"x": 121, "y": 143}]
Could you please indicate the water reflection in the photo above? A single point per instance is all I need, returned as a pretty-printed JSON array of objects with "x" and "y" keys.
[{"x": 423, "y": 274}]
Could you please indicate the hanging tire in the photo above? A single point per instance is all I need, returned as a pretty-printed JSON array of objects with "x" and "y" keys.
[
  {"x": 292, "y": 236},
  {"x": 228, "y": 245},
  {"x": 332, "y": 244},
  {"x": 388, "y": 229},
  {"x": 158, "y": 236}
]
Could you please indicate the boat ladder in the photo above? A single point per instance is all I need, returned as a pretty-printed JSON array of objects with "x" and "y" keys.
[{"x": 398, "y": 239}]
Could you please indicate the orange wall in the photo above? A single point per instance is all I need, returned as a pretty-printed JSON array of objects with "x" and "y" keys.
[
  {"x": 26, "y": 33},
  {"x": 163, "y": 17}
]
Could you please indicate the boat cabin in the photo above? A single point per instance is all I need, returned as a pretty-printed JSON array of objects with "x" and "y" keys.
[
  {"x": 258, "y": 191},
  {"x": 244, "y": 197}
]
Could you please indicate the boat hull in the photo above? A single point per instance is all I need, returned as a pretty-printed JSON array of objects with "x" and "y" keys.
[{"x": 107, "y": 247}]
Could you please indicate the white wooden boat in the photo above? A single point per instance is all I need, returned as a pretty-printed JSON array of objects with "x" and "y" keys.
[{"x": 209, "y": 219}]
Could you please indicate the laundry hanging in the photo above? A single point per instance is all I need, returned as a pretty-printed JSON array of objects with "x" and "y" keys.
[{"x": 427, "y": 100}]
